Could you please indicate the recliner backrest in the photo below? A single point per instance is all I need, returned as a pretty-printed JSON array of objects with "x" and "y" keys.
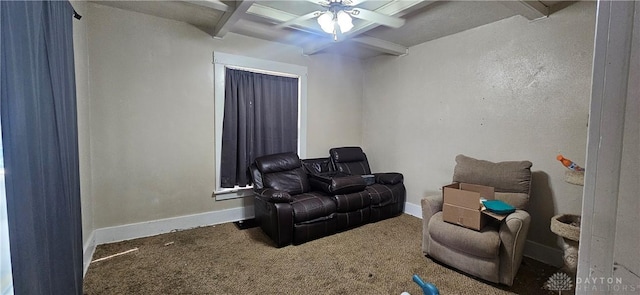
[
  {"x": 510, "y": 179},
  {"x": 317, "y": 166},
  {"x": 256, "y": 175},
  {"x": 282, "y": 172},
  {"x": 350, "y": 160}
]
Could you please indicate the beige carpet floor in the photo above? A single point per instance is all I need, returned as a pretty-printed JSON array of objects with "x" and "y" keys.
[{"x": 377, "y": 258}]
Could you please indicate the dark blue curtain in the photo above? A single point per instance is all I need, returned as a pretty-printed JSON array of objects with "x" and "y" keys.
[
  {"x": 260, "y": 118},
  {"x": 39, "y": 137}
]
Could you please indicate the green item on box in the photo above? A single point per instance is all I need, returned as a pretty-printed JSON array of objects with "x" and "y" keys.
[{"x": 498, "y": 207}]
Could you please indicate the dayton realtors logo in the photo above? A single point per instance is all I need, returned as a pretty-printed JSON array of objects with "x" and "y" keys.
[
  {"x": 562, "y": 282},
  {"x": 613, "y": 285},
  {"x": 559, "y": 282}
]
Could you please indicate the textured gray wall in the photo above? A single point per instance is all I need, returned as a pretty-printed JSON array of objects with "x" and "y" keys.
[{"x": 509, "y": 90}]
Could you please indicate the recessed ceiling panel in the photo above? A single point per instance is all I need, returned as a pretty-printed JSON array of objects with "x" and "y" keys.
[{"x": 441, "y": 19}]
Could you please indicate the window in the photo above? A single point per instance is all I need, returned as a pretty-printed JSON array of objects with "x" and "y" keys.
[
  {"x": 228, "y": 67},
  {"x": 260, "y": 118}
]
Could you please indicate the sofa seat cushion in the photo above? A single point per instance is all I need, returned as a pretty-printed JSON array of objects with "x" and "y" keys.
[
  {"x": 382, "y": 194},
  {"x": 484, "y": 243},
  {"x": 312, "y": 206},
  {"x": 352, "y": 202}
]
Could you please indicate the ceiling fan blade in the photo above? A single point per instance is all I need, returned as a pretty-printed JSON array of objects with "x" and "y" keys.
[
  {"x": 383, "y": 19},
  {"x": 354, "y": 2},
  {"x": 320, "y": 2},
  {"x": 299, "y": 19}
]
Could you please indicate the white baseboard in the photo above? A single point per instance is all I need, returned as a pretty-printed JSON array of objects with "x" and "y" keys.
[
  {"x": 543, "y": 253},
  {"x": 160, "y": 226},
  {"x": 413, "y": 209}
]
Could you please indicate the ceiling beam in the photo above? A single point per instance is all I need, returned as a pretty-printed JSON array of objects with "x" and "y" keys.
[
  {"x": 279, "y": 16},
  {"x": 532, "y": 10},
  {"x": 215, "y": 4},
  {"x": 366, "y": 41},
  {"x": 315, "y": 47},
  {"x": 381, "y": 45},
  {"x": 231, "y": 16},
  {"x": 272, "y": 14},
  {"x": 266, "y": 32}
]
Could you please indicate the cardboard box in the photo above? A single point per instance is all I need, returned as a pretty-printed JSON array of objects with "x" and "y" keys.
[
  {"x": 463, "y": 206},
  {"x": 467, "y": 195},
  {"x": 470, "y": 218}
]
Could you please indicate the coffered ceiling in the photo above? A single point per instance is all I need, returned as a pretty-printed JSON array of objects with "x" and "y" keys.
[{"x": 425, "y": 20}]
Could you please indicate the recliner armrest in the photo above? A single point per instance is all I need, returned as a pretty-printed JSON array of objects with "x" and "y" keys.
[
  {"x": 389, "y": 178},
  {"x": 514, "y": 223},
  {"x": 273, "y": 196},
  {"x": 338, "y": 184},
  {"x": 430, "y": 206},
  {"x": 513, "y": 234}
]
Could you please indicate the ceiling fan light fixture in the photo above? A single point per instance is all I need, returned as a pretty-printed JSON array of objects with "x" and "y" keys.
[
  {"x": 344, "y": 21},
  {"x": 325, "y": 21},
  {"x": 331, "y": 21}
]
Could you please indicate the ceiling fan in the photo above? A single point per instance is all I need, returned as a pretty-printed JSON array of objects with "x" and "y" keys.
[{"x": 336, "y": 17}]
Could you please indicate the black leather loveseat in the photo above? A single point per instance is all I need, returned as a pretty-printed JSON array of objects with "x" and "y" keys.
[{"x": 300, "y": 200}]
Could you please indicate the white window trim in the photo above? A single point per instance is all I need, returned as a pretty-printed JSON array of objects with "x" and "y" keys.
[{"x": 222, "y": 61}]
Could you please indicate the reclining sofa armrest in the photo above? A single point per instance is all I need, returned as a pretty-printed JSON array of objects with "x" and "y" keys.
[
  {"x": 275, "y": 219},
  {"x": 513, "y": 234},
  {"x": 273, "y": 196},
  {"x": 337, "y": 184},
  {"x": 389, "y": 178}
]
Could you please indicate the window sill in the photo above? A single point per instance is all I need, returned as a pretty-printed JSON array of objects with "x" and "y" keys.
[{"x": 233, "y": 193}]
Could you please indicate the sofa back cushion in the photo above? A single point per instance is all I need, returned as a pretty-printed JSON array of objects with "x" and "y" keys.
[
  {"x": 317, "y": 166},
  {"x": 283, "y": 172},
  {"x": 511, "y": 179},
  {"x": 350, "y": 160}
]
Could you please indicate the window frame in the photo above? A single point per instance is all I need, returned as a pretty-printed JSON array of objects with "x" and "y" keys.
[{"x": 221, "y": 62}]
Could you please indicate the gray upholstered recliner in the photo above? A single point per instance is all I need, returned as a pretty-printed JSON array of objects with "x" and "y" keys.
[{"x": 495, "y": 252}]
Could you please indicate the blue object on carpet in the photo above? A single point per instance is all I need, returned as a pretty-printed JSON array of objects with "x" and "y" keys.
[{"x": 427, "y": 288}]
